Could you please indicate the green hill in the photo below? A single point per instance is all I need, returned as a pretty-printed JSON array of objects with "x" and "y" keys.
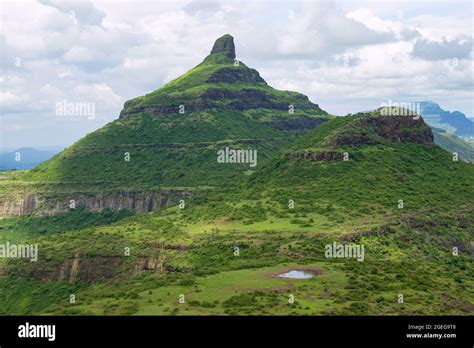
[
  {"x": 387, "y": 158},
  {"x": 371, "y": 180},
  {"x": 171, "y": 136}
]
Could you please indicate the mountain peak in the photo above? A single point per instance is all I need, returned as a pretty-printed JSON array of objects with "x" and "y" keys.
[{"x": 224, "y": 44}]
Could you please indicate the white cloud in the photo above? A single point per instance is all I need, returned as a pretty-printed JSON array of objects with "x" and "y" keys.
[
  {"x": 8, "y": 100},
  {"x": 79, "y": 54},
  {"x": 100, "y": 93},
  {"x": 82, "y": 11}
]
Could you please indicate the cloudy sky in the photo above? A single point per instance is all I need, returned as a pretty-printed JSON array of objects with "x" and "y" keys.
[{"x": 347, "y": 56}]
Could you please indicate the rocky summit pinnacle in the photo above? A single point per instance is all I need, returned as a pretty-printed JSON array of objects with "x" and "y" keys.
[{"x": 224, "y": 44}]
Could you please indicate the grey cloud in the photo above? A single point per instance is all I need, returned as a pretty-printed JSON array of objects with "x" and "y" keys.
[
  {"x": 196, "y": 7},
  {"x": 432, "y": 50},
  {"x": 409, "y": 34}
]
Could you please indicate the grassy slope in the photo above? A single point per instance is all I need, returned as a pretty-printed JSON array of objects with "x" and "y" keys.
[
  {"x": 399, "y": 170},
  {"x": 453, "y": 143}
]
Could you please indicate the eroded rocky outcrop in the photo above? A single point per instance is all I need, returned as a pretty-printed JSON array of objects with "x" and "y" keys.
[
  {"x": 230, "y": 75},
  {"x": 28, "y": 204},
  {"x": 402, "y": 129},
  {"x": 88, "y": 269},
  {"x": 221, "y": 98},
  {"x": 139, "y": 201},
  {"x": 225, "y": 45},
  {"x": 376, "y": 129}
]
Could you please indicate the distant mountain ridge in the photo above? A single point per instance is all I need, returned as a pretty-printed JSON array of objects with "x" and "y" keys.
[
  {"x": 24, "y": 158},
  {"x": 455, "y": 121}
]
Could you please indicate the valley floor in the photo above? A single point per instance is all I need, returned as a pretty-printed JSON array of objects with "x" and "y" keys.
[{"x": 210, "y": 261}]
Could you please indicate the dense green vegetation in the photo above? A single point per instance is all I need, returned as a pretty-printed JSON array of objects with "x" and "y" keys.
[
  {"x": 367, "y": 179},
  {"x": 22, "y": 228},
  {"x": 409, "y": 250}
]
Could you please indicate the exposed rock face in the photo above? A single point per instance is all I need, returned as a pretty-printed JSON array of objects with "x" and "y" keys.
[
  {"x": 244, "y": 99},
  {"x": 249, "y": 98},
  {"x": 404, "y": 129},
  {"x": 131, "y": 200},
  {"x": 224, "y": 44},
  {"x": 230, "y": 75},
  {"x": 353, "y": 139},
  {"x": 18, "y": 206},
  {"x": 88, "y": 269},
  {"x": 75, "y": 268},
  {"x": 28, "y": 204},
  {"x": 148, "y": 264}
]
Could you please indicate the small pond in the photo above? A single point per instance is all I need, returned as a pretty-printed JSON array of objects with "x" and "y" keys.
[{"x": 294, "y": 274}]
